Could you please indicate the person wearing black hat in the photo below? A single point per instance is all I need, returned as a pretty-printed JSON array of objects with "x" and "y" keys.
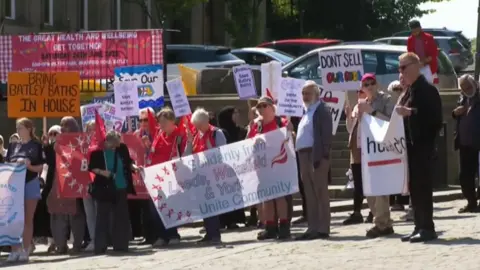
[{"x": 423, "y": 45}]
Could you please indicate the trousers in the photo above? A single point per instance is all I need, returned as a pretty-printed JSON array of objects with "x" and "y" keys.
[
  {"x": 357, "y": 187},
  {"x": 60, "y": 224},
  {"x": 468, "y": 170},
  {"x": 380, "y": 207},
  {"x": 315, "y": 183},
  {"x": 90, "y": 215}
]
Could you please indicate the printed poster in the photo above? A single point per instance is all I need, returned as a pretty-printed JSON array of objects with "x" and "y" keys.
[
  {"x": 223, "y": 179},
  {"x": 12, "y": 190},
  {"x": 87, "y": 113},
  {"x": 126, "y": 98},
  {"x": 179, "y": 99},
  {"x": 72, "y": 165},
  {"x": 110, "y": 118},
  {"x": 290, "y": 102},
  {"x": 149, "y": 81},
  {"x": 244, "y": 81},
  {"x": 341, "y": 70}
]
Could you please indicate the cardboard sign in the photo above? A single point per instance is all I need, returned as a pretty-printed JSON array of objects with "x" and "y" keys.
[
  {"x": 39, "y": 94},
  {"x": 179, "y": 100},
  {"x": 88, "y": 113},
  {"x": 244, "y": 81},
  {"x": 341, "y": 70},
  {"x": 290, "y": 101},
  {"x": 335, "y": 100},
  {"x": 126, "y": 98}
]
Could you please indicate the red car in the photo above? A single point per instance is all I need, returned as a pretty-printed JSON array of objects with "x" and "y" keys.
[{"x": 301, "y": 46}]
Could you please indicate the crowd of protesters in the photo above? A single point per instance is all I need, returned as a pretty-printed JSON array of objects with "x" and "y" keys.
[{"x": 107, "y": 218}]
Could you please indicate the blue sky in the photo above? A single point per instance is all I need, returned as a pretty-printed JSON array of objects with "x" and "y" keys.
[{"x": 454, "y": 14}]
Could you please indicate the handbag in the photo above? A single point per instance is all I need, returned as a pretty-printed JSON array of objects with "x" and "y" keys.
[{"x": 104, "y": 190}]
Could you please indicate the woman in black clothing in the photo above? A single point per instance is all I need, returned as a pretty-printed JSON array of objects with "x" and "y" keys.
[{"x": 227, "y": 121}]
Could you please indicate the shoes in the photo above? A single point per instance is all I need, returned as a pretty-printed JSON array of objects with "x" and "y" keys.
[
  {"x": 284, "y": 231},
  {"x": 369, "y": 219},
  {"x": 375, "y": 232},
  {"x": 51, "y": 248},
  {"x": 209, "y": 241},
  {"x": 90, "y": 247},
  {"x": 423, "y": 236},
  {"x": 13, "y": 257},
  {"x": 160, "y": 243},
  {"x": 174, "y": 241},
  {"x": 406, "y": 238},
  {"x": 397, "y": 207},
  {"x": 232, "y": 226},
  {"x": 270, "y": 232},
  {"x": 312, "y": 236},
  {"x": 468, "y": 209},
  {"x": 354, "y": 218},
  {"x": 23, "y": 256},
  {"x": 300, "y": 220}
]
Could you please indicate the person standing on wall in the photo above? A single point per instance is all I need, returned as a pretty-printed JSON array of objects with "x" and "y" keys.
[
  {"x": 423, "y": 45},
  {"x": 421, "y": 108}
]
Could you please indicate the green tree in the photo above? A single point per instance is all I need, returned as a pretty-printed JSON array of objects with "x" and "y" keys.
[
  {"x": 162, "y": 10},
  {"x": 242, "y": 21}
]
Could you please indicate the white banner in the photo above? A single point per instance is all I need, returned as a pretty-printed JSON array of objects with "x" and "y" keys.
[
  {"x": 384, "y": 156},
  {"x": 341, "y": 70},
  {"x": 12, "y": 190},
  {"x": 178, "y": 97},
  {"x": 223, "y": 179},
  {"x": 290, "y": 101}
]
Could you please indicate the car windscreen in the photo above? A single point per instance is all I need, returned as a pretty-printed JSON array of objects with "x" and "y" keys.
[{"x": 284, "y": 57}]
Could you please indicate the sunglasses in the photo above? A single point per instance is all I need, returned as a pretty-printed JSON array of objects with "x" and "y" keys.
[
  {"x": 53, "y": 134},
  {"x": 369, "y": 84},
  {"x": 262, "y": 106},
  {"x": 403, "y": 67},
  {"x": 144, "y": 120}
]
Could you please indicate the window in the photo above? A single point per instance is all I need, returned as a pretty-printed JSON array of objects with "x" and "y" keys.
[
  {"x": 48, "y": 12},
  {"x": 83, "y": 16},
  {"x": 445, "y": 66},
  {"x": 370, "y": 62},
  {"x": 307, "y": 69},
  {"x": 9, "y": 9},
  {"x": 392, "y": 62},
  {"x": 400, "y": 42}
]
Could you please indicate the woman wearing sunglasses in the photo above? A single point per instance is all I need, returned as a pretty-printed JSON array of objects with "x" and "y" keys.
[{"x": 381, "y": 105}]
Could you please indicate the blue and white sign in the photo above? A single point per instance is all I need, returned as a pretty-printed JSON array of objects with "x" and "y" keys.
[
  {"x": 149, "y": 79},
  {"x": 12, "y": 190}
]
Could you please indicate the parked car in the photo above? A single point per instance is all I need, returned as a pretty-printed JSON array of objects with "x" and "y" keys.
[
  {"x": 199, "y": 57},
  {"x": 297, "y": 47},
  {"x": 380, "y": 59},
  {"x": 257, "y": 56},
  {"x": 458, "y": 54},
  {"x": 441, "y": 32}
]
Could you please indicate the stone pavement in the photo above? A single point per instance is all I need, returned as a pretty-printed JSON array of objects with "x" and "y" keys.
[{"x": 457, "y": 248}]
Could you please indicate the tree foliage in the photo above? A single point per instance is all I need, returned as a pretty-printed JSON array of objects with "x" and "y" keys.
[{"x": 242, "y": 21}]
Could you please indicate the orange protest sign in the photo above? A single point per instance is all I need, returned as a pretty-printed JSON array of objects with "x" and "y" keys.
[{"x": 42, "y": 94}]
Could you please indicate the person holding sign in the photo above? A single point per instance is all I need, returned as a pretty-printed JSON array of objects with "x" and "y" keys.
[
  {"x": 28, "y": 151},
  {"x": 275, "y": 213},
  {"x": 207, "y": 137},
  {"x": 381, "y": 105},
  {"x": 313, "y": 144},
  {"x": 421, "y": 107},
  {"x": 169, "y": 143}
]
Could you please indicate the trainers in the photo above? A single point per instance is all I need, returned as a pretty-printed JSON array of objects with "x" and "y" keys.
[
  {"x": 13, "y": 257},
  {"x": 90, "y": 247},
  {"x": 355, "y": 218},
  {"x": 23, "y": 256}
]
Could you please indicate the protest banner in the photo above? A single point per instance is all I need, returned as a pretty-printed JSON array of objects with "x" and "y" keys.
[
  {"x": 111, "y": 120},
  {"x": 341, "y": 70},
  {"x": 271, "y": 74},
  {"x": 12, "y": 190},
  {"x": 32, "y": 94},
  {"x": 244, "y": 81},
  {"x": 223, "y": 179},
  {"x": 132, "y": 121},
  {"x": 335, "y": 100},
  {"x": 290, "y": 102},
  {"x": 72, "y": 164},
  {"x": 178, "y": 97},
  {"x": 93, "y": 54},
  {"x": 384, "y": 156},
  {"x": 126, "y": 98},
  {"x": 148, "y": 80},
  {"x": 87, "y": 113}
]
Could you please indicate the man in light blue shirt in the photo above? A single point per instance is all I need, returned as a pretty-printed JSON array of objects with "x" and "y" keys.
[{"x": 314, "y": 139}]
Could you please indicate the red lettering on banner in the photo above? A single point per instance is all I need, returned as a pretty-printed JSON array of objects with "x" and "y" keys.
[
  {"x": 384, "y": 162},
  {"x": 72, "y": 164}
]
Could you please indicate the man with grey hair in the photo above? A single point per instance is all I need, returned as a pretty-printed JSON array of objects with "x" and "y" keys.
[
  {"x": 207, "y": 137},
  {"x": 313, "y": 143}
]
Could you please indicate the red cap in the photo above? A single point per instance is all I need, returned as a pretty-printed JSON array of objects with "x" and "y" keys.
[{"x": 369, "y": 76}]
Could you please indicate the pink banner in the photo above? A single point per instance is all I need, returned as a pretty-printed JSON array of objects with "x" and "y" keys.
[{"x": 93, "y": 54}]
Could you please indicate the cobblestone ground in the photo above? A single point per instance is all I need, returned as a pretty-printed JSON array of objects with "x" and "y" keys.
[{"x": 457, "y": 248}]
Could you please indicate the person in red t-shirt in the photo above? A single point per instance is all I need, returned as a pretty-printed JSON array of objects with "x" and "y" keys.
[
  {"x": 275, "y": 212},
  {"x": 168, "y": 144},
  {"x": 424, "y": 45}
]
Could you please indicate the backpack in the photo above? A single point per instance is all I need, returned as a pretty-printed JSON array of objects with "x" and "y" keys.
[{"x": 278, "y": 120}]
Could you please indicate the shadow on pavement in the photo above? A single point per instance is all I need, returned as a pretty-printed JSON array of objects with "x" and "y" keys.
[
  {"x": 453, "y": 217},
  {"x": 438, "y": 209},
  {"x": 455, "y": 241}
]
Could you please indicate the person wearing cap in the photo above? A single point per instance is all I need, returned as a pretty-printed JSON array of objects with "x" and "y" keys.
[
  {"x": 276, "y": 213},
  {"x": 313, "y": 144},
  {"x": 380, "y": 105},
  {"x": 423, "y": 45}
]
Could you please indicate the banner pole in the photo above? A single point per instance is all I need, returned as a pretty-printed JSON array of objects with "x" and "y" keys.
[{"x": 45, "y": 126}]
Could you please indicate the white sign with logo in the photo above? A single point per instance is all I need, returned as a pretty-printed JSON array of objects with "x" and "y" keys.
[
  {"x": 244, "y": 81},
  {"x": 111, "y": 120},
  {"x": 271, "y": 78},
  {"x": 384, "y": 156},
  {"x": 12, "y": 190},
  {"x": 342, "y": 70},
  {"x": 179, "y": 99},
  {"x": 335, "y": 100},
  {"x": 290, "y": 102},
  {"x": 87, "y": 113},
  {"x": 126, "y": 98},
  {"x": 223, "y": 179}
]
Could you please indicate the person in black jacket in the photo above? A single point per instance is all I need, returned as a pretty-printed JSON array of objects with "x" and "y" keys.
[
  {"x": 466, "y": 139},
  {"x": 113, "y": 168},
  {"x": 421, "y": 108}
]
